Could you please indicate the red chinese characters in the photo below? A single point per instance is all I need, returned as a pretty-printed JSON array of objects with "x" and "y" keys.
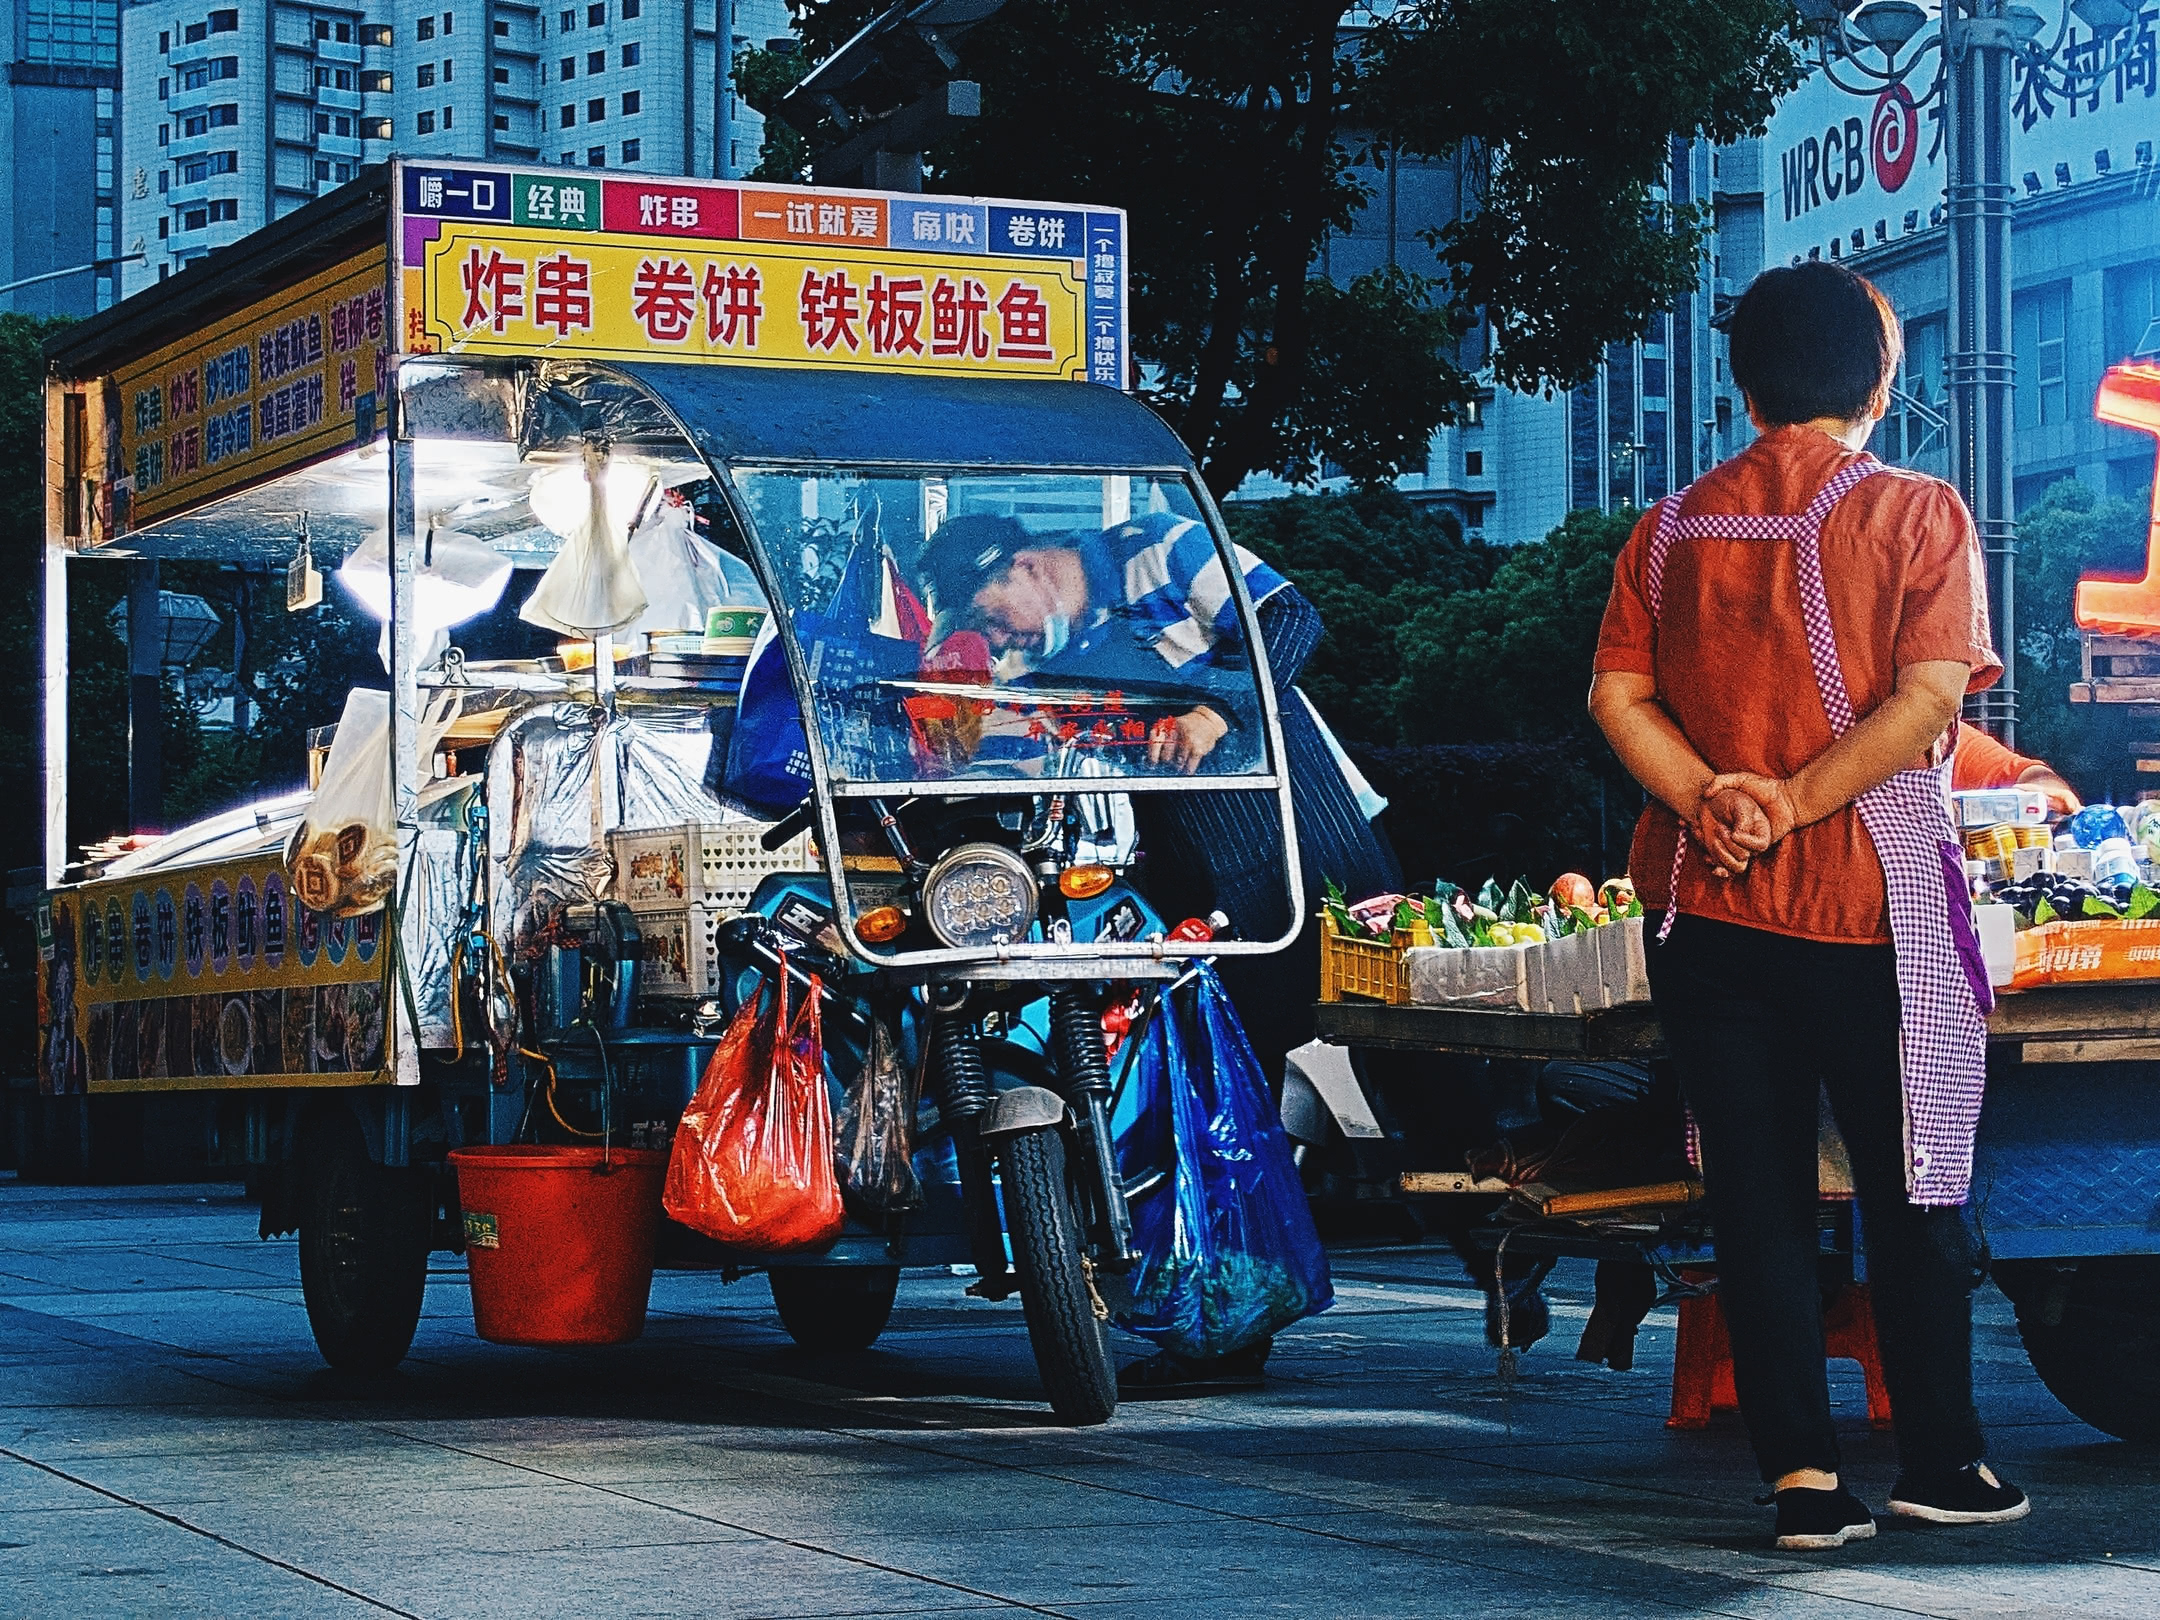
[
  {"x": 1023, "y": 324},
  {"x": 562, "y": 294},
  {"x": 831, "y": 309},
  {"x": 663, "y": 299},
  {"x": 733, "y": 305},
  {"x": 494, "y": 289},
  {"x": 896, "y": 312},
  {"x": 956, "y": 318}
]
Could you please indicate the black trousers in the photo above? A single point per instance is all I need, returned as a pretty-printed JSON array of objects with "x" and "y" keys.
[{"x": 1756, "y": 1022}]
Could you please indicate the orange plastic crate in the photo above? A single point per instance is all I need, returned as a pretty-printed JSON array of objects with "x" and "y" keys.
[{"x": 1361, "y": 969}]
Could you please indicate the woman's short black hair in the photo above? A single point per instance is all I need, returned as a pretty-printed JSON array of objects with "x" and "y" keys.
[{"x": 1812, "y": 340}]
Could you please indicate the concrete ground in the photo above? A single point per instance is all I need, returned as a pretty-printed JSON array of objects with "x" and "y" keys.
[{"x": 170, "y": 1445}]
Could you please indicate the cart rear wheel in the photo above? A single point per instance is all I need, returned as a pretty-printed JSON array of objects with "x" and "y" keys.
[
  {"x": 832, "y": 1309},
  {"x": 1072, "y": 1343},
  {"x": 364, "y": 1233},
  {"x": 2092, "y": 1328}
]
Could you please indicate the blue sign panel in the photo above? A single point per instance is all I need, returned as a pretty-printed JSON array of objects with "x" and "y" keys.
[
  {"x": 1047, "y": 233},
  {"x": 457, "y": 193}
]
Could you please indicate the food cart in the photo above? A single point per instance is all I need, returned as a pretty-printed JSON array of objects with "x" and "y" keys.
[{"x": 444, "y": 369}]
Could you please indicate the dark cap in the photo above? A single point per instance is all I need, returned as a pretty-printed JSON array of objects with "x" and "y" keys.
[{"x": 968, "y": 553}]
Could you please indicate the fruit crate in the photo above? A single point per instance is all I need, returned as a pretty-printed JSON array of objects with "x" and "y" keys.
[
  {"x": 1361, "y": 969},
  {"x": 677, "y": 957},
  {"x": 715, "y": 865}
]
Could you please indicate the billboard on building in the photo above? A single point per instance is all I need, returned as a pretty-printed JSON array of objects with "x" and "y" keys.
[{"x": 1836, "y": 164}]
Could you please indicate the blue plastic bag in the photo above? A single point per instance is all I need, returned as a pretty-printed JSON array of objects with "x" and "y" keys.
[{"x": 1228, "y": 1253}]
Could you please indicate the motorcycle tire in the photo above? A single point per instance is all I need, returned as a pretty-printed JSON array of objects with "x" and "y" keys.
[
  {"x": 364, "y": 1235},
  {"x": 1071, "y": 1341},
  {"x": 2092, "y": 1329},
  {"x": 832, "y": 1310}
]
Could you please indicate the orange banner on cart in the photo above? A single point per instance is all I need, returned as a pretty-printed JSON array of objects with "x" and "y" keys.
[
  {"x": 2094, "y": 950},
  {"x": 287, "y": 380},
  {"x": 486, "y": 289}
]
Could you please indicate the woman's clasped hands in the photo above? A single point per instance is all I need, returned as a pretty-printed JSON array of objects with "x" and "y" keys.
[{"x": 1741, "y": 815}]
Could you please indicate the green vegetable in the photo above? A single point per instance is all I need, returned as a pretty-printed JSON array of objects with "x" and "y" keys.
[
  {"x": 1338, "y": 910},
  {"x": 2094, "y": 906},
  {"x": 2143, "y": 903},
  {"x": 1492, "y": 897},
  {"x": 1520, "y": 902},
  {"x": 1407, "y": 916}
]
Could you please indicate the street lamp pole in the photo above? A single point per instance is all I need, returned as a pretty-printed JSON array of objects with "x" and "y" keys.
[
  {"x": 1980, "y": 369},
  {"x": 75, "y": 270}
]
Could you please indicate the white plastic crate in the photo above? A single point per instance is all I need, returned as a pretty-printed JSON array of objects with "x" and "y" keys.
[
  {"x": 713, "y": 864},
  {"x": 677, "y": 960}
]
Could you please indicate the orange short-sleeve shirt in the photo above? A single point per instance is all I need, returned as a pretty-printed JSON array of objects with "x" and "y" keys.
[{"x": 1903, "y": 572}]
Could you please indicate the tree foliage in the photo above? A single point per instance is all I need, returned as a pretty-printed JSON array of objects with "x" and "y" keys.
[{"x": 1233, "y": 136}]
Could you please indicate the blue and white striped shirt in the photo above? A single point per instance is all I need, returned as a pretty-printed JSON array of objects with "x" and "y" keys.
[{"x": 1163, "y": 578}]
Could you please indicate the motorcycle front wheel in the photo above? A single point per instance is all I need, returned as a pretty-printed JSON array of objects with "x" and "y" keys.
[{"x": 1071, "y": 1339}]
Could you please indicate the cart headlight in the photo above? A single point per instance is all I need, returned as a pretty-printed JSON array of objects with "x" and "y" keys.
[{"x": 979, "y": 894}]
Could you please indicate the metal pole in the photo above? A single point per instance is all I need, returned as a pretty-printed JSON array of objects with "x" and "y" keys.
[
  {"x": 146, "y": 698},
  {"x": 723, "y": 139},
  {"x": 73, "y": 270},
  {"x": 1980, "y": 369}
]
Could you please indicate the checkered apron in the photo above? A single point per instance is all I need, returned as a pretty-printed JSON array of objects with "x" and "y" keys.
[{"x": 1942, "y": 980}]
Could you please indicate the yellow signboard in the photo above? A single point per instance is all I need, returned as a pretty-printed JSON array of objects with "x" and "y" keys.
[
  {"x": 485, "y": 288},
  {"x": 289, "y": 379},
  {"x": 209, "y": 976}
]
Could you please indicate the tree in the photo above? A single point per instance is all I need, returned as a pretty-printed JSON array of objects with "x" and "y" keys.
[
  {"x": 1232, "y": 136},
  {"x": 2073, "y": 532}
]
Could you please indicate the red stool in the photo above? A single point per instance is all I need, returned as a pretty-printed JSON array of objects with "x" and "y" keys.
[{"x": 1702, "y": 1357}]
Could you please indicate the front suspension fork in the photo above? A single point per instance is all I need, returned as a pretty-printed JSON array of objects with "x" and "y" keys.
[
  {"x": 1076, "y": 1035},
  {"x": 964, "y": 1091}
]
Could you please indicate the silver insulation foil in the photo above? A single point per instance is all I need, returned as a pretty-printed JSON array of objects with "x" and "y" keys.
[{"x": 561, "y": 777}]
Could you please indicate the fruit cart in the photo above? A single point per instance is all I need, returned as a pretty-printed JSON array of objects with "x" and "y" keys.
[{"x": 445, "y": 372}]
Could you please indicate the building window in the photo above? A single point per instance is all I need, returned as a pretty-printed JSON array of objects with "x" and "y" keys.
[
  {"x": 322, "y": 30},
  {"x": 162, "y": 177},
  {"x": 502, "y": 123},
  {"x": 164, "y": 42},
  {"x": 425, "y": 124},
  {"x": 196, "y": 33},
  {"x": 632, "y": 151},
  {"x": 194, "y": 219},
  {"x": 1911, "y": 428},
  {"x": 596, "y": 156},
  {"x": 224, "y": 22},
  {"x": 426, "y": 75},
  {"x": 569, "y": 68},
  {"x": 630, "y": 9},
  {"x": 630, "y": 55},
  {"x": 1473, "y": 463},
  {"x": 226, "y": 116},
  {"x": 164, "y": 229},
  {"x": 569, "y": 116},
  {"x": 164, "y": 133},
  {"x": 449, "y": 70},
  {"x": 342, "y": 171},
  {"x": 447, "y": 19},
  {"x": 322, "y": 123},
  {"x": 2132, "y": 296},
  {"x": 630, "y": 102},
  {"x": 227, "y": 211},
  {"x": 322, "y": 78},
  {"x": 344, "y": 126},
  {"x": 502, "y": 28},
  {"x": 502, "y": 75},
  {"x": 343, "y": 78},
  {"x": 424, "y": 29},
  {"x": 344, "y": 33},
  {"x": 596, "y": 15},
  {"x": 569, "y": 21},
  {"x": 596, "y": 109},
  {"x": 377, "y": 34},
  {"x": 448, "y": 113},
  {"x": 2037, "y": 319},
  {"x": 569, "y": 159},
  {"x": 375, "y": 82},
  {"x": 322, "y": 168},
  {"x": 595, "y": 62}
]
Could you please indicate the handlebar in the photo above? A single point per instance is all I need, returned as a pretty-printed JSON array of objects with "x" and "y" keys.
[{"x": 791, "y": 823}]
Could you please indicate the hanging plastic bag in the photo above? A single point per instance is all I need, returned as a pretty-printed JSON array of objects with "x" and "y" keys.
[
  {"x": 1228, "y": 1253},
  {"x": 343, "y": 855},
  {"x": 685, "y": 576},
  {"x": 590, "y": 588},
  {"x": 877, "y": 1173},
  {"x": 752, "y": 1163}
]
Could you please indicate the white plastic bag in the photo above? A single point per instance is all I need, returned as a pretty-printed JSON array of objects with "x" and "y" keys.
[
  {"x": 590, "y": 588},
  {"x": 343, "y": 857},
  {"x": 685, "y": 576}
]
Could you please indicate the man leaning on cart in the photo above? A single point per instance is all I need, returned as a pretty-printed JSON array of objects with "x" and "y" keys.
[{"x": 1808, "y": 621}]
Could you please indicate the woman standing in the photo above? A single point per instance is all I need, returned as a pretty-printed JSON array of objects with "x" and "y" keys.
[{"x": 1807, "y": 621}]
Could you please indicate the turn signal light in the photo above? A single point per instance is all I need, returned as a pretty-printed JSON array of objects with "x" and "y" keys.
[
  {"x": 881, "y": 925},
  {"x": 1084, "y": 882}
]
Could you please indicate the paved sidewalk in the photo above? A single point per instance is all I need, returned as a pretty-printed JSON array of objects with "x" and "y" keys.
[{"x": 170, "y": 1445}]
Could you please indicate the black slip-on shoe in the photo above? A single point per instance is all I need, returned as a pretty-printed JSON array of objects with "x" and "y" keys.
[
  {"x": 1810, "y": 1521},
  {"x": 1972, "y": 1495}
]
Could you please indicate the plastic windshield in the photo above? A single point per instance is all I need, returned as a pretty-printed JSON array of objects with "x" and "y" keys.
[{"x": 1013, "y": 625}]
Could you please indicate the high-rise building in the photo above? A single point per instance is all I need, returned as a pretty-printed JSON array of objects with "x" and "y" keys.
[
  {"x": 58, "y": 142},
  {"x": 238, "y": 113}
]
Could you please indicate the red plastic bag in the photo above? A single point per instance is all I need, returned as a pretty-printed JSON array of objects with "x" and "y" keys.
[{"x": 752, "y": 1163}]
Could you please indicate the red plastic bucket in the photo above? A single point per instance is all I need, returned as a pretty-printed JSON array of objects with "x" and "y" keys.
[{"x": 560, "y": 1249}]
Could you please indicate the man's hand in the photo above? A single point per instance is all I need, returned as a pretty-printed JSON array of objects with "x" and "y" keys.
[
  {"x": 1773, "y": 797},
  {"x": 1732, "y": 829},
  {"x": 1184, "y": 742}
]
